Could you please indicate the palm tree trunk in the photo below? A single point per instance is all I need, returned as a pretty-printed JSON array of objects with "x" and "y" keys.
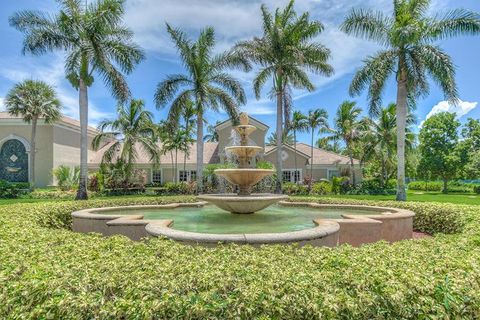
[
  {"x": 383, "y": 175},
  {"x": 32, "y": 153},
  {"x": 174, "y": 174},
  {"x": 445, "y": 186},
  {"x": 83, "y": 104},
  {"x": 278, "y": 185},
  {"x": 176, "y": 161},
  {"x": 295, "y": 150},
  {"x": 352, "y": 169},
  {"x": 199, "y": 152},
  {"x": 311, "y": 163},
  {"x": 401, "y": 124}
]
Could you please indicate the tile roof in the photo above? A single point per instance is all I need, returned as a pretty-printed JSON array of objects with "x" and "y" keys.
[
  {"x": 64, "y": 119},
  {"x": 210, "y": 154}
]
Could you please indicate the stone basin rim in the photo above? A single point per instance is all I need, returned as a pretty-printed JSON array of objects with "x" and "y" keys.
[{"x": 162, "y": 228}]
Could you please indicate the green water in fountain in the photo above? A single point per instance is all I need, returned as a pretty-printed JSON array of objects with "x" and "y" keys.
[{"x": 274, "y": 219}]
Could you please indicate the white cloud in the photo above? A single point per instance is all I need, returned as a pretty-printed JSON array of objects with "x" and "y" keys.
[
  {"x": 2, "y": 104},
  {"x": 460, "y": 109},
  {"x": 53, "y": 74}
]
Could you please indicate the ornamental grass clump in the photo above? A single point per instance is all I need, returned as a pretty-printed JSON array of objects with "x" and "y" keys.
[{"x": 47, "y": 271}]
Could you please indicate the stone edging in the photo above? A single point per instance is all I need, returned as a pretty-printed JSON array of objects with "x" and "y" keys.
[{"x": 389, "y": 224}]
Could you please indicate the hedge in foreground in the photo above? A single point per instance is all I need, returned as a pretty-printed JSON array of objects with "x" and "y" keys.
[{"x": 46, "y": 271}]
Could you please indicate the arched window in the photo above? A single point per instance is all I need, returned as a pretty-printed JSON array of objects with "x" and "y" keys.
[{"x": 14, "y": 160}]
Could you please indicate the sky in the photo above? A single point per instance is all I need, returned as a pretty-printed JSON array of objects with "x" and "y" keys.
[{"x": 236, "y": 20}]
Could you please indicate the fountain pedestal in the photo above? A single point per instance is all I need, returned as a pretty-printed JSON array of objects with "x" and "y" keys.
[{"x": 244, "y": 177}]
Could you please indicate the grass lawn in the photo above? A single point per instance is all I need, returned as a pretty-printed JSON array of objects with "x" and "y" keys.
[{"x": 457, "y": 198}]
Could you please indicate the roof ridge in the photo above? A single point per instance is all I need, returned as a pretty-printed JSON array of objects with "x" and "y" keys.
[{"x": 327, "y": 151}]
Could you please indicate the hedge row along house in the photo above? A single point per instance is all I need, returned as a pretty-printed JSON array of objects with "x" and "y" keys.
[{"x": 59, "y": 144}]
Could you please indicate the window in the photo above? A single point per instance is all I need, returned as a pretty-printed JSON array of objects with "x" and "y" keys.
[
  {"x": 157, "y": 176},
  {"x": 294, "y": 176},
  {"x": 187, "y": 176}
]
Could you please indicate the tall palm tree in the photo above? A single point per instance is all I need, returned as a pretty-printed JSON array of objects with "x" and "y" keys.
[
  {"x": 316, "y": 119},
  {"x": 381, "y": 138},
  {"x": 284, "y": 53},
  {"x": 410, "y": 54},
  {"x": 347, "y": 128},
  {"x": 298, "y": 124},
  {"x": 212, "y": 134},
  {"x": 133, "y": 128},
  {"x": 33, "y": 100},
  {"x": 94, "y": 41},
  {"x": 205, "y": 83}
]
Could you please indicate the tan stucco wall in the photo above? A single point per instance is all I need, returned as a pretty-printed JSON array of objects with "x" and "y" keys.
[
  {"x": 66, "y": 147},
  {"x": 44, "y": 154}
]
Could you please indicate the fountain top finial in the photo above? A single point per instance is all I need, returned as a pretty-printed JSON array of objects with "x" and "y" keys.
[{"x": 244, "y": 119}]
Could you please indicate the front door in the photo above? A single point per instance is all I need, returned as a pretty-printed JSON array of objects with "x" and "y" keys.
[{"x": 13, "y": 161}]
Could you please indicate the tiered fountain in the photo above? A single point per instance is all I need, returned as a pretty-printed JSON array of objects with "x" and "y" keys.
[{"x": 244, "y": 177}]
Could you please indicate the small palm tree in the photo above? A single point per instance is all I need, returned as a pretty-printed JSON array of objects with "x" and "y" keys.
[
  {"x": 298, "y": 124},
  {"x": 316, "y": 119},
  {"x": 133, "y": 128},
  {"x": 33, "y": 100},
  {"x": 329, "y": 145},
  {"x": 179, "y": 140},
  {"x": 205, "y": 83},
  {"x": 94, "y": 41},
  {"x": 212, "y": 134},
  {"x": 347, "y": 128},
  {"x": 287, "y": 138},
  {"x": 284, "y": 53},
  {"x": 410, "y": 55},
  {"x": 381, "y": 138}
]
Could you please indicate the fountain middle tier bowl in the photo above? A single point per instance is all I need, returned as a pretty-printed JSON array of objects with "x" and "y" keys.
[
  {"x": 244, "y": 151},
  {"x": 242, "y": 204},
  {"x": 244, "y": 177}
]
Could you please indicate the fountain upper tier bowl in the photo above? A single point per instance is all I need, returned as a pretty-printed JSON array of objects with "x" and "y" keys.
[
  {"x": 242, "y": 204},
  {"x": 245, "y": 152}
]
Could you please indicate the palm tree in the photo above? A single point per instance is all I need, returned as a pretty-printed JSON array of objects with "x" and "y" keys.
[
  {"x": 132, "y": 129},
  {"x": 347, "y": 128},
  {"x": 408, "y": 36},
  {"x": 317, "y": 118},
  {"x": 212, "y": 134},
  {"x": 326, "y": 144},
  {"x": 287, "y": 138},
  {"x": 284, "y": 52},
  {"x": 205, "y": 83},
  {"x": 298, "y": 124},
  {"x": 381, "y": 138},
  {"x": 94, "y": 41},
  {"x": 179, "y": 140},
  {"x": 33, "y": 100}
]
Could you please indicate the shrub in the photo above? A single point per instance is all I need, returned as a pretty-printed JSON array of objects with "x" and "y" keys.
[
  {"x": 476, "y": 189},
  {"x": 452, "y": 186},
  {"x": 340, "y": 185},
  {"x": 180, "y": 188},
  {"x": 11, "y": 190},
  {"x": 262, "y": 164},
  {"x": 321, "y": 188},
  {"x": 293, "y": 189},
  {"x": 67, "y": 177},
  {"x": 46, "y": 271}
]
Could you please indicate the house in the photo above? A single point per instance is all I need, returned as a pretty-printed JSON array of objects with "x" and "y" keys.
[{"x": 59, "y": 144}]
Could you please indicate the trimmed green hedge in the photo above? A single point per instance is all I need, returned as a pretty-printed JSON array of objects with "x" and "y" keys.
[{"x": 46, "y": 271}]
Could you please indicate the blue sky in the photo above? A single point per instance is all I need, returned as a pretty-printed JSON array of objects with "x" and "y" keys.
[{"x": 236, "y": 20}]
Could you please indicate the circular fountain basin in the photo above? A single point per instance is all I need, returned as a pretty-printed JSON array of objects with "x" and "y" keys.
[
  {"x": 303, "y": 223},
  {"x": 244, "y": 151},
  {"x": 242, "y": 204}
]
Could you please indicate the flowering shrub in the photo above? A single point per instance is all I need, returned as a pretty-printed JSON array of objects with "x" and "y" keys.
[{"x": 47, "y": 271}]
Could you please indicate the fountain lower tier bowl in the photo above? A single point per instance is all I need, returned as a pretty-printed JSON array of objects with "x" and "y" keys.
[
  {"x": 243, "y": 204},
  {"x": 244, "y": 178}
]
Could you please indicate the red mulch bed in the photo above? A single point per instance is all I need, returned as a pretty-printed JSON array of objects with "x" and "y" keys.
[{"x": 420, "y": 235}]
